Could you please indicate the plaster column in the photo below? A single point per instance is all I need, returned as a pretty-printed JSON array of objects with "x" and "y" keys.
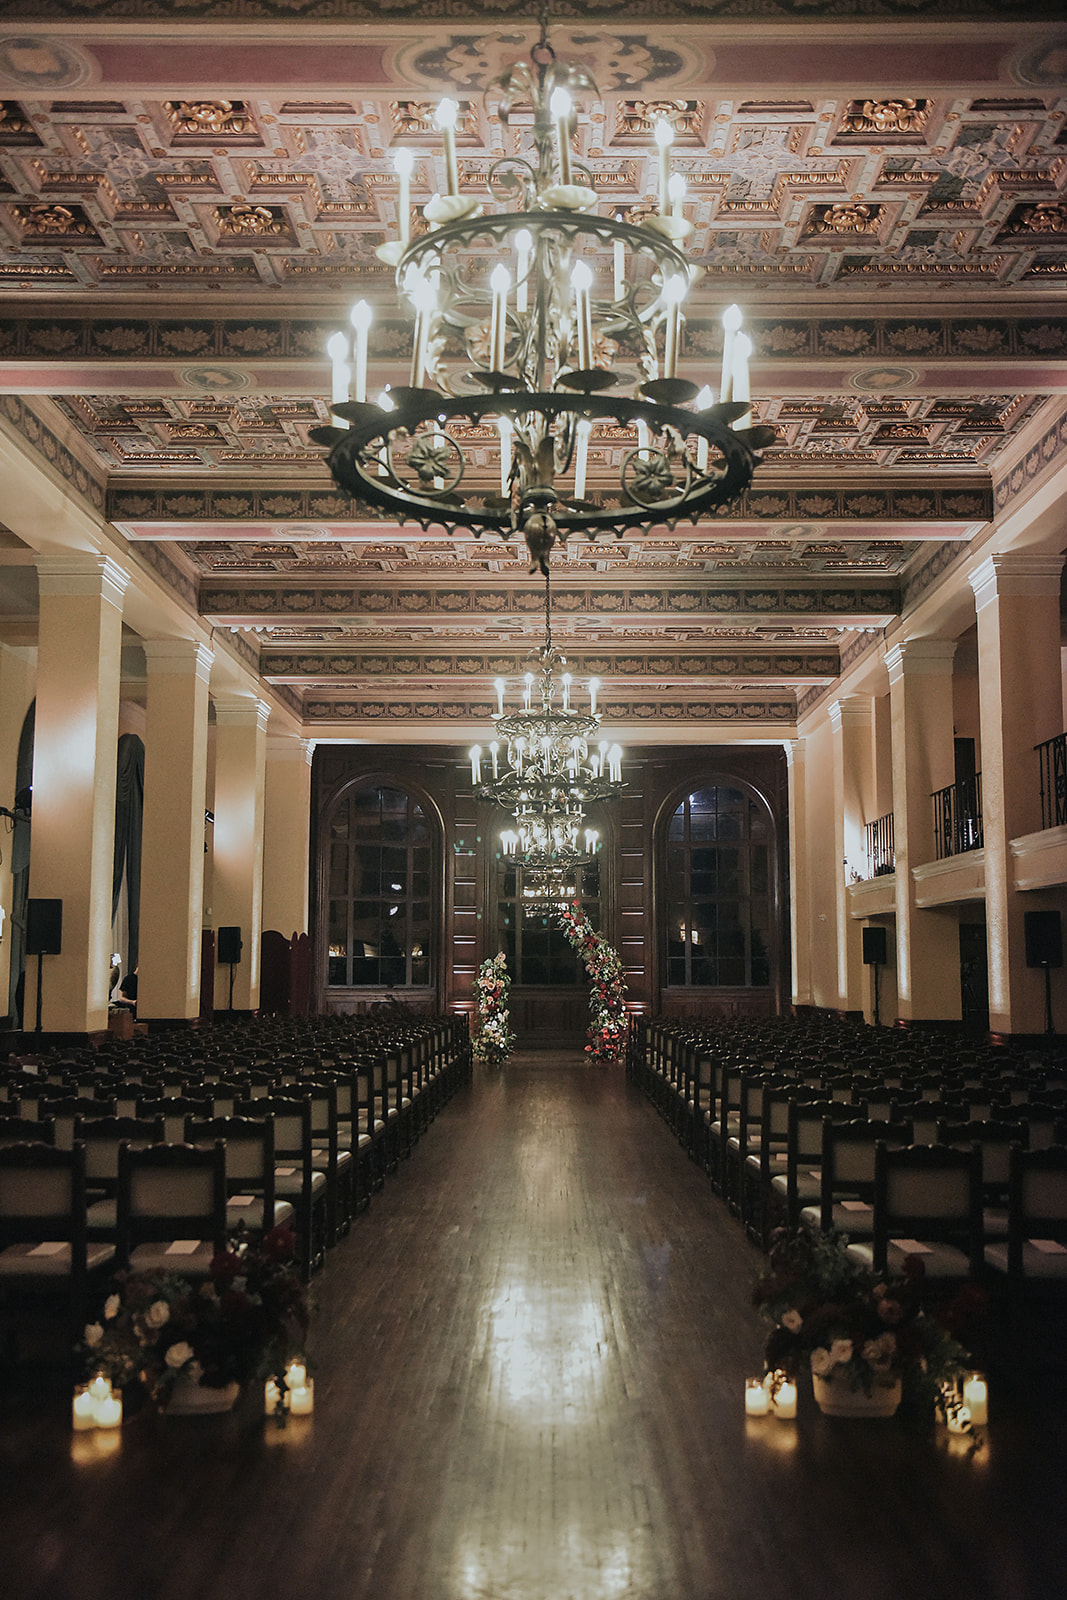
[
  {"x": 79, "y": 645},
  {"x": 172, "y": 870},
  {"x": 799, "y": 896},
  {"x": 287, "y": 834},
  {"x": 851, "y": 719},
  {"x": 240, "y": 761},
  {"x": 1017, "y": 598},
  {"x": 17, "y": 671},
  {"x": 928, "y": 954}
]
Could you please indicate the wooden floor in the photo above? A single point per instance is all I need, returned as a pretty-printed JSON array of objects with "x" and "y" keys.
[{"x": 530, "y": 1355}]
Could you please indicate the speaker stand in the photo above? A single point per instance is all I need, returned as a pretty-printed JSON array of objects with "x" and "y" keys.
[
  {"x": 1048, "y": 999},
  {"x": 40, "y": 960},
  {"x": 231, "y": 984},
  {"x": 877, "y": 1017}
]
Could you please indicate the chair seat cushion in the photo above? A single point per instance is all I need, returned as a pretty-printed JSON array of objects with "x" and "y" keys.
[
  {"x": 1047, "y": 1266},
  {"x": 159, "y": 1257},
  {"x": 808, "y": 1186},
  {"x": 858, "y": 1224},
  {"x": 48, "y": 1259},
  {"x": 289, "y": 1181},
  {"x": 939, "y": 1260}
]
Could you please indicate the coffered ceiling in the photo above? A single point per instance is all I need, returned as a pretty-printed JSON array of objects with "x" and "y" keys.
[{"x": 188, "y": 207}]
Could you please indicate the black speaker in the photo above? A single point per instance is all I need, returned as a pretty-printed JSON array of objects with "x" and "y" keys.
[
  {"x": 874, "y": 947},
  {"x": 44, "y": 927},
  {"x": 229, "y": 946},
  {"x": 1044, "y": 939}
]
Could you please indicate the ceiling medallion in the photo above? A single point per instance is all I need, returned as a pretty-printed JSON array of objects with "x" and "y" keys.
[{"x": 527, "y": 351}]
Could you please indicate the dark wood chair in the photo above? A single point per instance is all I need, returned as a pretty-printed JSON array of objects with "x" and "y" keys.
[{"x": 171, "y": 1207}]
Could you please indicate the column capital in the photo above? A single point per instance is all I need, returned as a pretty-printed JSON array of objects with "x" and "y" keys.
[
  {"x": 851, "y": 711},
  {"x": 288, "y": 747},
  {"x": 794, "y": 752},
  {"x": 178, "y": 658},
  {"x": 931, "y": 658},
  {"x": 86, "y": 576},
  {"x": 240, "y": 711},
  {"x": 1019, "y": 576}
]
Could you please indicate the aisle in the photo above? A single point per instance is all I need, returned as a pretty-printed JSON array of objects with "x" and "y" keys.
[{"x": 530, "y": 1357}]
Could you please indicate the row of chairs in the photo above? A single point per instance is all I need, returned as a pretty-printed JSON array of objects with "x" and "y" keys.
[
  {"x": 99, "y": 1181},
  {"x": 965, "y": 1167}
]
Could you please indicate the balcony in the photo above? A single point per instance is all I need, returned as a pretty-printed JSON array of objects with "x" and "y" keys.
[{"x": 958, "y": 818}]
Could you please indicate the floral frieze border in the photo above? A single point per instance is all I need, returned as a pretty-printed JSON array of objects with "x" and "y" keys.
[
  {"x": 779, "y": 599},
  {"x": 737, "y": 711},
  {"x": 1020, "y": 478},
  {"x": 1037, "y": 337},
  {"x": 589, "y": 11},
  {"x": 40, "y": 439},
  {"x": 243, "y": 503},
  {"x": 697, "y": 666}
]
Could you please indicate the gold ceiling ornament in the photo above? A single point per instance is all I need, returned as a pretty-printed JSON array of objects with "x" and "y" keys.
[
  {"x": 526, "y": 306},
  {"x": 887, "y": 116},
  {"x": 248, "y": 219},
  {"x": 848, "y": 217},
  {"x": 1048, "y": 217},
  {"x": 209, "y": 116},
  {"x": 638, "y": 118}
]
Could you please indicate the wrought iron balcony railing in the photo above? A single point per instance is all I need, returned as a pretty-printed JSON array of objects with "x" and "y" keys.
[
  {"x": 881, "y": 851},
  {"x": 958, "y": 818},
  {"x": 1052, "y": 758}
]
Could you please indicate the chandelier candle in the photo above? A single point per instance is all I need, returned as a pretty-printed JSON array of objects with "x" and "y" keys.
[
  {"x": 361, "y": 317},
  {"x": 664, "y": 139},
  {"x": 403, "y": 165},
  {"x": 445, "y": 122}
]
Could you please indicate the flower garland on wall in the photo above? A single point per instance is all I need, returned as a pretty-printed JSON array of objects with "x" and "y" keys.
[
  {"x": 607, "y": 994},
  {"x": 494, "y": 1039}
]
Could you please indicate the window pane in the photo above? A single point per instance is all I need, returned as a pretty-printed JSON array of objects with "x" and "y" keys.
[{"x": 717, "y": 851}]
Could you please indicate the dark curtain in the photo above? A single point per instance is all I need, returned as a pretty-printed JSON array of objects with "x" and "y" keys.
[{"x": 129, "y": 816}]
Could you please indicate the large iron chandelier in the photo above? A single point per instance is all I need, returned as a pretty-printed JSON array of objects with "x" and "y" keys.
[
  {"x": 549, "y": 761},
  {"x": 514, "y": 365}
]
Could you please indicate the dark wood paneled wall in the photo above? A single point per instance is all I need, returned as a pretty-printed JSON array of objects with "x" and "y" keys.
[{"x": 657, "y": 778}]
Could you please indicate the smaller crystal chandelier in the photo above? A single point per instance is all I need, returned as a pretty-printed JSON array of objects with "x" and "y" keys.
[{"x": 549, "y": 762}]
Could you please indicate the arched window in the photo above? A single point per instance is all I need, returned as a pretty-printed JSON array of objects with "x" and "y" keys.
[
  {"x": 378, "y": 890},
  {"x": 719, "y": 897}
]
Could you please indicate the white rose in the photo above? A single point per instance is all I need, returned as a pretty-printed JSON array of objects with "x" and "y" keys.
[
  {"x": 157, "y": 1315},
  {"x": 111, "y": 1306},
  {"x": 820, "y": 1362},
  {"x": 179, "y": 1354},
  {"x": 792, "y": 1320},
  {"x": 93, "y": 1334},
  {"x": 840, "y": 1352}
]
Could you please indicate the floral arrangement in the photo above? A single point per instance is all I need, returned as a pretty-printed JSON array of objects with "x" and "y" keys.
[
  {"x": 494, "y": 1039},
  {"x": 836, "y": 1317},
  {"x": 607, "y": 994},
  {"x": 245, "y": 1320}
]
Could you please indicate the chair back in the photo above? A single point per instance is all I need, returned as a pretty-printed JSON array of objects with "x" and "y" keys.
[
  {"x": 173, "y": 1197},
  {"x": 249, "y": 1144},
  {"x": 931, "y": 1194},
  {"x": 27, "y": 1130}
]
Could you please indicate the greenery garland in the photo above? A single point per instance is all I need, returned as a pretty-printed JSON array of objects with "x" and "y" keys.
[
  {"x": 494, "y": 1039},
  {"x": 607, "y": 994}
]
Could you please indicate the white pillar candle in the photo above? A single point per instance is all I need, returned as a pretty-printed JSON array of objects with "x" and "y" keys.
[
  {"x": 976, "y": 1398},
  {"x": 731, "y": 322},
  {"x": 619, "y": 268},
  {"x": 524, "y": 249},
  {"x": 785, "y": 1399},
  {"x": 361, "y": 317},
  {"x": 594, "y": 685},
  {"x": 527, "y": 697},
  {"x": 445, "y": 122},
  {"x": 615, "y": 763},
  {"x": 100, "y": 1388},
  {"x": 566, "y": 681},
  {"x": 302, "y": 1399},
  {"x": 676, "y": 191},
  {"x": 403, "y": 164},
  {"x": 559, "y": 106},
  {"x": 591, "y": 837},
  {"x": 83, "y": 1410},
  {"x": 757, "y": 1400},
  {"x": 642, "y": 436},
  {"x": 476, "y": 763},
  {"x": 581, "y": 283},
  {"x": 494, "y": 751},
  {"x": 425, "y": 301},
  {"x": 664, "y": 139},
  {"x": 500, "y": 283},
  {"x": 273, "y": 1396},
  {"x": 498, "y": 685}
]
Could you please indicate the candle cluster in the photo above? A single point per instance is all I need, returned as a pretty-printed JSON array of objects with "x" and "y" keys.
[
  {"x": 295, "y": 1394},
  {"x": 774, "y": 1394},
  {"x": 96, "y": 1405}
]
